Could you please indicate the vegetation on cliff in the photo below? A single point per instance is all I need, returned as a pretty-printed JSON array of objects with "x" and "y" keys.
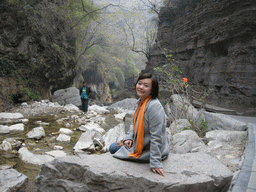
[{"x": 43, "y": 44}]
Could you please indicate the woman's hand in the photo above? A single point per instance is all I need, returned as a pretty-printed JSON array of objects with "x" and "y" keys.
[
  {"x": 160, "y": 171},
  {"x": 128, "y": 143}
]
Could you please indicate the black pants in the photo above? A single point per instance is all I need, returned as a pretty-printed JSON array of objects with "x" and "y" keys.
[{"x": 84, "y": 104}]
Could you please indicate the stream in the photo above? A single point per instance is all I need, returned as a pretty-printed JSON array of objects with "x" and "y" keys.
[{"x": 48, "y": 142}]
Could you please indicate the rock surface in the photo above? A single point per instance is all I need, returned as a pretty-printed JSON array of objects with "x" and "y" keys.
[
  {"x": 127, "y": 105},
  {"x": 194, "y": 172},
  {"x": 216, "y": 121},
  {"x": 67, "y": 96},
  {"x": 36, "y": 133},
  {"x": 12, "y": 180},
  {"x": 34, "y": 159}
]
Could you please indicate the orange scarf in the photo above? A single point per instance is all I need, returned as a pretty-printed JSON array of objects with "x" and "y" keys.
[{"x": 140, "y": 128}]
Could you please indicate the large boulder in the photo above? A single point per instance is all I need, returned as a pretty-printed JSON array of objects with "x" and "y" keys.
[
  {"x": 180, "y": 108},
  {"x": 217, "y": 121},
  {"x": 36, "y": 133},
  {"x": 12, "y": 180},
  {"x": 187, "y": 141},
  {"x": 67, "y": 96},
  {"x": 19, "y": 127},
  {"x": 179, "y": 125},
  {"x": 194, "y": 172},
  {"x": 28, "y": 157},
  {"x": 227, "y": 136},
  {"x": 113, "y": 135},
  {"x": 10, "y": 118},
  {"x": 85, "y": 142},
  {"x": 128, "y": 105}
]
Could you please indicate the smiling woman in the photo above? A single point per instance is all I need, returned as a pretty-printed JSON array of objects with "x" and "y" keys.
[{"x": 146, "y": 140}]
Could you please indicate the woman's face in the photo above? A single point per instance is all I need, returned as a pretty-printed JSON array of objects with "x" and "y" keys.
[{"x": 144, "y": 88}]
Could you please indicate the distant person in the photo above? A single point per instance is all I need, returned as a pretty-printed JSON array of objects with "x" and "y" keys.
[
  {"x": 85, "y": 94},
  {"x": 146, "y": 140}
]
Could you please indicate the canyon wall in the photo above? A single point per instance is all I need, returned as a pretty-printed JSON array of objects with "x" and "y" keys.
[{"x": 214, "y": 44}]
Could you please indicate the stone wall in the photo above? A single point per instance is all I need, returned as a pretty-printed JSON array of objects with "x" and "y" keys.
[{"x": 214, "y": 43}]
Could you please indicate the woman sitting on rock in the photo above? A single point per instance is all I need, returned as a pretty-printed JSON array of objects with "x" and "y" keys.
[{"x": 146, "y": 140}]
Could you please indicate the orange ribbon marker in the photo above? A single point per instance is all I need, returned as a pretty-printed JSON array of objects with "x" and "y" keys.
[{"x": 185, "y": 80}]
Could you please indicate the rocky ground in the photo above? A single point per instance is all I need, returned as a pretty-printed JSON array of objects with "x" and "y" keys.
[{"x": 225, "y": 140}]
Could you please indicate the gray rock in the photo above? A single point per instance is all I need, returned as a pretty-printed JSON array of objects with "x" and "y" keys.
[
  {"x": 12, "y": 180},
  {"x": 36, "y": 133},
  {"x": 85, "y": 142},
  {"x": 114, "y": 135},
  {"x": 6, "y": 146},
  {"x": 67, "y": 96},
  {"x": 180, "y": 108},
  {"x": 186, "y": 141},
  {"x": 91, "y": 127},
  {"x": 127, "y": 105},
  {"x": 194, "y": 172},
  {"x": 63, "y": 138},
  {"x": 217, "y": 121},
  {"x": 227, "y": 136},
  {"x": 11, "y": 144},
  {"x": 179, "y": 125}
]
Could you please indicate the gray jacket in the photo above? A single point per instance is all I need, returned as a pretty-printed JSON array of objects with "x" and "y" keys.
[{"x": 155, "y": 144}]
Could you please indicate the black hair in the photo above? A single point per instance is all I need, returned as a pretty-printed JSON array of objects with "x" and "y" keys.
[{"x": 155, "y": 86}]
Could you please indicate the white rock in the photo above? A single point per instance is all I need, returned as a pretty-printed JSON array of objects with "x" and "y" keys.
[
  {"x": 11, "y": 116},
  {"x": 67, "y": 125},
  {"x": 85, "y": 142},
  {"x": 113, "y": 135},
  {"x": 36, "y": 133},
  {"x": 63, "y": 138},
  {"x": 71, "y": 107},
  {"x": 56, "y": 153},
  {"x": 58, "y": 147},
  {"x": 24, "y": 120},
  {"x": 17, "y": 127},
  {"x": 91, "y": 127},
  {"x": 120, "y": 116},
  {"x": 29, "y": 157},
  {"x": 66, "y": 131},
  {"x": 24, "y": 104},
  {"x": 98, "y": 109},
  {"x": 4, "y": 129},
  {"x": 6, "y": 146}
]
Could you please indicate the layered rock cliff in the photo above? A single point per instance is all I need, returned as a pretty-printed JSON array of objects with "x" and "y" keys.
[{"x": 214, "y": 44}]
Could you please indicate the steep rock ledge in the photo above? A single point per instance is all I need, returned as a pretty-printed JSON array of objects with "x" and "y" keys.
[{"x": 214, "y": 44}]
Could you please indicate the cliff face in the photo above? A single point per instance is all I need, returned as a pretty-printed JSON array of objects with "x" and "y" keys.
[
  {"x": 37, "y": 51},
  {"x": 214, "y": 43}
]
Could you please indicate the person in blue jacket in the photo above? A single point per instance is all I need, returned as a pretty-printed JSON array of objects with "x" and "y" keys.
[
  {"x": 85, "y": 93},
  {"x": 146, "y": 140}
]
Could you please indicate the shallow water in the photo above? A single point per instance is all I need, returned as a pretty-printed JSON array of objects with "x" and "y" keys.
[{"x": 46, "y": 144}]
